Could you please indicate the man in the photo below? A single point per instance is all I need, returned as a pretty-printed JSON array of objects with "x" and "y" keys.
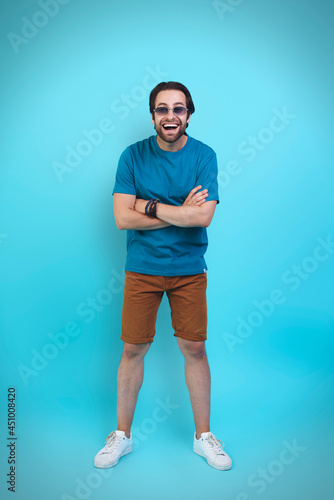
[{"x": 165, "y": 196}]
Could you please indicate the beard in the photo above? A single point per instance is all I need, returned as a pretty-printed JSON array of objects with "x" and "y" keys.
[{"x": 168, "y": 137}]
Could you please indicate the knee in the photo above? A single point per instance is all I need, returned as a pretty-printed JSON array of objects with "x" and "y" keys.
[
  {"x": 191, "y": 349},
  {"x": 135, "y": 351}
]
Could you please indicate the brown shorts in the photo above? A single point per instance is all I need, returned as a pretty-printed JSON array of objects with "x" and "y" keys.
[{"x": 142, "y": 297}]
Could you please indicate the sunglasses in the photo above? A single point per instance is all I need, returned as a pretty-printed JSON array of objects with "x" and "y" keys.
[{"x": 163, "y": 110}]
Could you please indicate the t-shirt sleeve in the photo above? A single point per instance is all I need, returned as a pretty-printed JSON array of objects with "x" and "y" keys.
[
  {"x": 207, "y": 176},
  {"x": 125, "y": 182}
]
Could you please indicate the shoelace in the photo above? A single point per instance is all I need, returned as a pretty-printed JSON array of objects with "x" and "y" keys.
[
  {"x": 112, "y": 439},
  {"x": 214, "y": 442}
]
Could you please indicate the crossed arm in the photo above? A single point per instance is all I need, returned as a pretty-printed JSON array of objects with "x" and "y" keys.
[{"x": 129, "y": 212}]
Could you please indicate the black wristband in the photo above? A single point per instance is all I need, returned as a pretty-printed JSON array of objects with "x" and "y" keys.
[
  {"x": 152, "y": 208},
  {"x": 147, "y": 207}
]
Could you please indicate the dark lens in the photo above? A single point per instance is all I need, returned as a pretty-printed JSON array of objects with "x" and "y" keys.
[
  {"x": 179, "y": 110},
  {"x": 161, "y": 110}
]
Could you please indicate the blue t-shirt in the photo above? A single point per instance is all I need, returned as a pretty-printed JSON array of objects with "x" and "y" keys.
[{"x": 147, "y": 171}]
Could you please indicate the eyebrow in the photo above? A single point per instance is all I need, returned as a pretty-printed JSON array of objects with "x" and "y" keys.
[{"x": 175, "y": 104}]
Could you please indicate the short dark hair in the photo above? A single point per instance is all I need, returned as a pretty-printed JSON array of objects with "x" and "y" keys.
[{"x": 172, "y": 86}]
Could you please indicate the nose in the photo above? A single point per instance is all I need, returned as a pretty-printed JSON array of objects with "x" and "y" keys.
[{"x": 170, "y": 113}]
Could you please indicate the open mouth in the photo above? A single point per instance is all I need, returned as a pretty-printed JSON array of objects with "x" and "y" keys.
[{"x": 170, "y": 126}]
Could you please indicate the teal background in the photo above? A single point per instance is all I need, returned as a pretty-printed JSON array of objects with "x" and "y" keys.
[{"x": 61, "y": 251}]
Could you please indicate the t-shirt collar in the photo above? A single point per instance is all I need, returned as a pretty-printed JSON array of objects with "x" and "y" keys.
[{"x": 165, "y": 153}]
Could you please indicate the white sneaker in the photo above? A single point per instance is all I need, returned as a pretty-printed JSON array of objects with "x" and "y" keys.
[
  {"x": 209, "y": 447},
  {"x": 117, "y": 445}
]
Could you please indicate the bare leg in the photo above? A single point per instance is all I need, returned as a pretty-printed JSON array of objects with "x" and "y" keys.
[
  {"x": 198, "y": 380},
  {"x": 129, "y": 380}
]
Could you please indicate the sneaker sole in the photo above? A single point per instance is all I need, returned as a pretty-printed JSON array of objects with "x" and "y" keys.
[
  {"x": 218, "y": 467},
  {"x": 111, "y": 464}
]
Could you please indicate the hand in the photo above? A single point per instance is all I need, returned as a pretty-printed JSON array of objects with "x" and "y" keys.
[{"x": 196, "y": 197}]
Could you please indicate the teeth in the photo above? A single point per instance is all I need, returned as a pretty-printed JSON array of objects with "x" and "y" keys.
[{"x": 170, "y": 125}]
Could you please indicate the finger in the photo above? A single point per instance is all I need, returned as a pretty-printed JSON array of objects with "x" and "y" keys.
[
  {"x": 200, "y": 195},
  {"x": 199, "y": 203},
  {"x": 197, "y": 199},
  {"x": 193, "y": 191},
  {"x": 194, "y": 195}
]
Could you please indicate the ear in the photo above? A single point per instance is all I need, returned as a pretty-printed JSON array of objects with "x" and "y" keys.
[
  {"x": 188, "y": 119},
  {"x": 152, "y": 118}
]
